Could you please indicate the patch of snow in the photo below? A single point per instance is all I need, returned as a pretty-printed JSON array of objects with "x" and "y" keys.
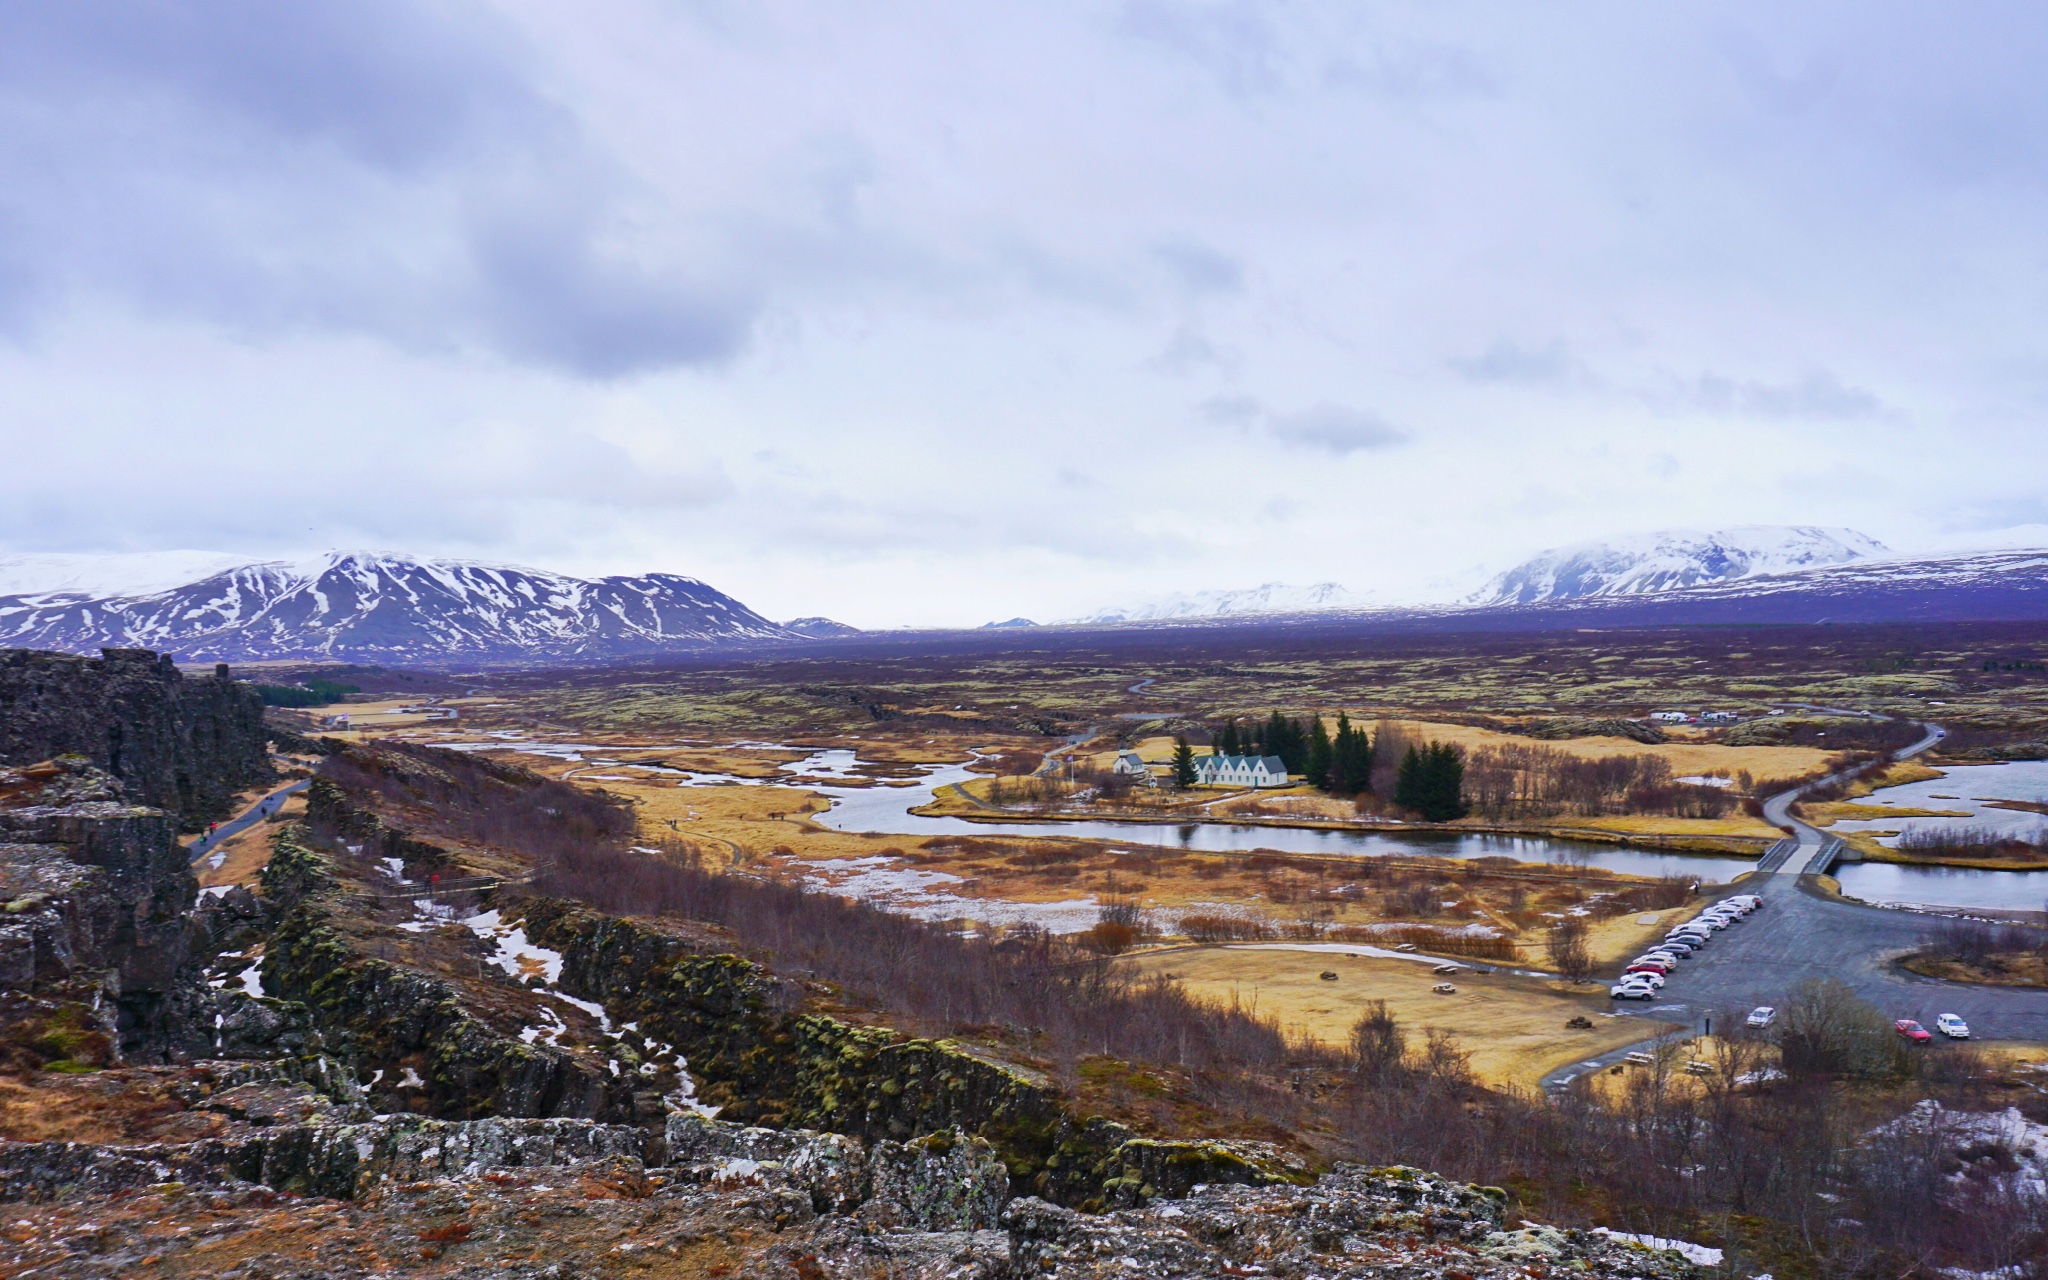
[
  {"x": 1697, "y": 1254},
  {"x": 1703, "y": 780},
  {"x": 215, "y": 890},
  {"x": 515, "y": 955},
  {"x": 1337, "y": 948},
  {"x": 410, "y": 1079},
  {"x": 135, "y": 573}
]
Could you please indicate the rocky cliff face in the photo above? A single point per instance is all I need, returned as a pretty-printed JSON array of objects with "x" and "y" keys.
[{"x": 182, "y": 744}]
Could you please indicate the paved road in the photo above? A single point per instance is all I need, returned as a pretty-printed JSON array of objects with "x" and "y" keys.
[
  {"x": 254, "y": 814},
  {"x": 1813, "y": 844},
  {"x": 1801, "y": 934}
]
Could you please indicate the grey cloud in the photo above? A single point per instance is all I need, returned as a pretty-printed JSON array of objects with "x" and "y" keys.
[
  {"x": 1190, "y": 350},
  {"x": 1231, "y": 410},
  {"x": 1816, "y": 394},
  {"x": 1335, "y": 429},
  {"x": 1413, "y": 71},
  {"x": 1505, "y": 361},
  {"x": 1234, "y": 41},
  {"x": 1200, "y": 269},
  {"x": 378, "y": 168}
]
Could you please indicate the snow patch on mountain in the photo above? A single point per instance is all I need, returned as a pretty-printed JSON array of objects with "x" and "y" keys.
[
  {"x": 1271, "y": 597},
  {"x": 121, "y": 573},
  {"x": 1673, "y": 560}
]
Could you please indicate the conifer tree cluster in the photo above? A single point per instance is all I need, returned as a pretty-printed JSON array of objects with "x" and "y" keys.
[
  {"x": 1277, "y": 735},
  {"x": 1431, "y": 781},
  {"x": 1431, "y": 778}
]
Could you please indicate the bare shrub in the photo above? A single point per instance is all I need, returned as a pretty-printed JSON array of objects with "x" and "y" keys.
[{"x": 1565, "y": 944}]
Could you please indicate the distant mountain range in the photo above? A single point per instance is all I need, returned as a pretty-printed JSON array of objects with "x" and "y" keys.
[
  {"x": 366, "y": 607},
  {"x": 1272, "y": 597},
  {"x": 1673, "y": 560},
  {"x": 404, "y": 611}
]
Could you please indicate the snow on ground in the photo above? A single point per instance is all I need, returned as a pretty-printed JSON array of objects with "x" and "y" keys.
[
  {"x": 515, "y": 955},
  {"x": 1703, "y": 780},
  {"x": 2025, "y": 1140},
  {"x": 890, "y": 885},
  {"x": 1699, "y": 1254},
  {"x": 1337, "y": 948}
]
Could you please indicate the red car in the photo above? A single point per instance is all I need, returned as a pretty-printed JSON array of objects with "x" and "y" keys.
[{"x": 1912, "y": 1031}]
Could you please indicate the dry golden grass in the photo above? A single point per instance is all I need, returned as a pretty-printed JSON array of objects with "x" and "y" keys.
[
  {"x": 1688, "y": 759},
  {"x": 1514, "y": 1028}
]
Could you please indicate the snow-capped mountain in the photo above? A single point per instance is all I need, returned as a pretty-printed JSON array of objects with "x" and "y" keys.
[
  {"x": 361, "y": 606},
  {"x": 1272, "y": 597},
  {"x": 112, "y": 574},
  {"x": 1987, "y": 586},
  {"x": 1674, "y": 560}
]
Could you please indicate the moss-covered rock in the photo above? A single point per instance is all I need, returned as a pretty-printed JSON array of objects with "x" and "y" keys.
[{"x": 378, "y": 1013}]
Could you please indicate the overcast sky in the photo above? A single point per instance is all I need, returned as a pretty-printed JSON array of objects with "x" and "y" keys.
[{"x": 942, "y": 313}]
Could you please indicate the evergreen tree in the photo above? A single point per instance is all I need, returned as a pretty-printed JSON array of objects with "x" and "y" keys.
[
  {"x": 1226, "y": 742},
  {"x": 1317, "y": 765},
  {"x": 1183, "y": 763},
  {"x": 1408, "y": 786},
  {"x": 1444, "y": 799},
  {"x": 1351, "y": 759},
  {"x": 1431, "y": 782}
]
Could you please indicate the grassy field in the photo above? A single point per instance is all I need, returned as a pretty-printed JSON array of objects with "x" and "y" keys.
[{"x": 1513, "y": 1028}]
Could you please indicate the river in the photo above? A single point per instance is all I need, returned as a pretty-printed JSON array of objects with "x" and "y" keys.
[{"x": 885, "y": 810}]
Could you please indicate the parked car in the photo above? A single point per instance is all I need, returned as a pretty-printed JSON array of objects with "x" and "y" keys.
[
  {"x": 1632, "y": 991},
  {"x": 1749, "y": 899},
  {"x": 1649, "y": 966},
  {"x": 1952, "y": 1026},
  {"x": 1762, "y": 1016},
  {"x": 1912, "y": 1031},
  {"x": 1654, "y": 981}
]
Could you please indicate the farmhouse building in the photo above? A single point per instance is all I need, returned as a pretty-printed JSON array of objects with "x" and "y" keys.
[
  {"x": 1240, "y": 771},
  {"x": 1127, "y": 762}
]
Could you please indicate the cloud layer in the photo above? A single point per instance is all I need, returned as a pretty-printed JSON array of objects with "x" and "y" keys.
[{"x": 915, "y": 315}]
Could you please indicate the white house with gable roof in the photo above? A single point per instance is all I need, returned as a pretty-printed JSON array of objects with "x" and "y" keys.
[
  {"x": 1240, "y": 771},
  {"x": 1127, "y": 762}
]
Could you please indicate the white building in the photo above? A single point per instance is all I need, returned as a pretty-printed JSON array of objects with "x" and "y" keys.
[
  {"x": 1720, "y": 717},
  {"x": 1240, "y": 771},
  {"x": 1128, "y": 762}
]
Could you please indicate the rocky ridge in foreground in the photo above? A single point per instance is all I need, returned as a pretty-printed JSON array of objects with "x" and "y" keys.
[{"x": 303, "y": 1186}]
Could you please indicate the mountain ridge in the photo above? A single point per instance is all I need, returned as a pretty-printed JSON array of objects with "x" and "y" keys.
[
  {"x": 1673, "y": 559},
  {"x": 381, "y": 607}
]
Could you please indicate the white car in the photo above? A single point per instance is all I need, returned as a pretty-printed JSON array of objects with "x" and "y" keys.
[
  {"x": 1715, "y": 923},
  {"x": 1762, "y": 1016},
  {"x": 1952, "y": 1026},
  {"x": 1633, "y": 991},
  {"x": 1654, "y": 981},
  {"x": 1660, "y": 953}
]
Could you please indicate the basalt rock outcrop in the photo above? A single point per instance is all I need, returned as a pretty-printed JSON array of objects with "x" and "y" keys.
[
  {"x": 759, "y": 1059},
  {"x": 178, "y": 743},
  {"x": 378, "y": 1013},
  {"x": 560, "y": 1198}
]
